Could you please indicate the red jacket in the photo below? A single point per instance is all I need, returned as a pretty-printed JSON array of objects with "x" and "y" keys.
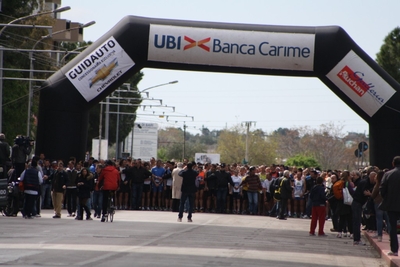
[{"x": 110, "y": 175}]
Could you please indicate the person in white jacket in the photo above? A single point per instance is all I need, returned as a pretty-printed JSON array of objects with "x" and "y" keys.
[{"x": 176, "y": 186}]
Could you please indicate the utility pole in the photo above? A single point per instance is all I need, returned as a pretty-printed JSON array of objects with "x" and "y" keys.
[
  {"x": 184, "y": 140},
  {"x": 100, "y": 130},
  {"x": 247, "y": 124}
]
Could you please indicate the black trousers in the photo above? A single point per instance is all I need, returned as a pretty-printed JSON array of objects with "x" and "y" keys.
[
  {"x": 282, "y": 207},
  {"x": 29, "y": 204},
  {"x": 106, "y": 193},
  {"x": 70, "y": 195},
  {"x": 83, "y": 206},
  {"x": 394, "y": 242},
  {"x": 175, "y": 205}
]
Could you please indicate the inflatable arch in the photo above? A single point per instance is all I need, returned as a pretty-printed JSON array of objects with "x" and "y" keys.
[{"x": 136, "y": 42}]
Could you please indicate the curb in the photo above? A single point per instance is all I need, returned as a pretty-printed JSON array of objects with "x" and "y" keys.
[{"x": 383, "y": 248}]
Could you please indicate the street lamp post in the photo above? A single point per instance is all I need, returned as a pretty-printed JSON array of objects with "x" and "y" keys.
[
  {"x": 248, "y": 124},
  {"x": 31, "y": 67},
  {"x": 151, "y": 87},
  {"x": 58, "y": 10}
]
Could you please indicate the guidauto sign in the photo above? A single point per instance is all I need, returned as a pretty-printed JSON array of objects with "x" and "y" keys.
[
  {"x": 100, "y": 69},
  {"x": 232, "y": 48}
]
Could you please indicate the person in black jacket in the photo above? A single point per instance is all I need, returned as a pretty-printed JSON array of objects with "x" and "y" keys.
[
  {"x": 389, "y": 189},
  {"x": 136, "y": 176},
  {"x": 84, "y": 185},
  {"x": 286, "y": 194},
  {"x": 223, "y": 180},
  {"x": 46, "y": 186},
  {"x": 20, "y": 151},
  {"x": 318, "y": 201},
  {"x": 360, "y": 197},
  {"x": 309, "y": 185},
  {"x": 210, "y": 187},
  {"x": 60, "y": 181},
  {"x": 188, "y": 190}
]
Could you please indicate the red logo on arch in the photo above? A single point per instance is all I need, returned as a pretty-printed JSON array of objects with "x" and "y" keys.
[{"x": 193, "y": 43}]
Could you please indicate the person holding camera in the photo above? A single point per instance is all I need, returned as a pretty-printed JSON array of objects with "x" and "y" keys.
[{"x": 21, "y": 149}]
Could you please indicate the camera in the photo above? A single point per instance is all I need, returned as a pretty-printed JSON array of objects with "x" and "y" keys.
[{"x": 23, "y": 141}]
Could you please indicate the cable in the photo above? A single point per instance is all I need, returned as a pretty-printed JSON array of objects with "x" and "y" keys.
[{"x": 396, "y": 110}]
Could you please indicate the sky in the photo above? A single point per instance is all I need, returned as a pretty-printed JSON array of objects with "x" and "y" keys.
[{"x": 218, "y": 101}]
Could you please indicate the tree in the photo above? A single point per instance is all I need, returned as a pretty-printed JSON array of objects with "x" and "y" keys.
[
  {"x": 170, "y": 144},
  {"x": 232, "y": 146},
  {"x": 302, "y": 161},
  {"x": 327, "y": 145},
  {"x": 15, "y": 92},
  {"x": 389, "y": 55}
]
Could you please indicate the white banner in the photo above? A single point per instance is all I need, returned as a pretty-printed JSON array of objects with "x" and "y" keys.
[
  {"x": 361, "y": 83},
  {"x": 100, "y": 152},
  {"x": 100, "y": 69},
  {"x": 207, "y": 158},
  {"x": 232, "y": 48},
  {"x": 145, "y": 141}
]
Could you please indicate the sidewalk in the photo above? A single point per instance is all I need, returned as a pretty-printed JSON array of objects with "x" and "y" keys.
[{"x": 383, "y": 248}]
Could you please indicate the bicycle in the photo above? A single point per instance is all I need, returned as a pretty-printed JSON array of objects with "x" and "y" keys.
[{"x": 110, "y": 207}]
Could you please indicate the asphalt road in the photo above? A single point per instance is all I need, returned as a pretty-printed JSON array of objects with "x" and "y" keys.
[{"x": 151, "y": 238}]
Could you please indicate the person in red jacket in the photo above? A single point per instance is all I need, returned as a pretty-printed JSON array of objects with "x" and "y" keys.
[{"x": 109, "y": 179}]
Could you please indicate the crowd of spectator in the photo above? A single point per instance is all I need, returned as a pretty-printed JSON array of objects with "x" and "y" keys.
[{"x": 274, "y": 190}]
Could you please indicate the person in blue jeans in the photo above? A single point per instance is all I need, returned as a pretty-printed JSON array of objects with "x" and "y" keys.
[
  {"x": 253, "y": 187},
  {"x": 158, "y": 172},
  {"x": 188, "y": 190},
  {"x": 97, "y": 194}
]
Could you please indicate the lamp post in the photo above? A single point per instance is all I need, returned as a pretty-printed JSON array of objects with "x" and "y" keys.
[
  {"x": 67, "y": 53},
  {"x": 121, "y": 113},
  {"x": 28, "y": 127},
  {"x": 151, "y": 87},
  {"x": 248, "y": 124},
  {"x": 58, "y": 10}
]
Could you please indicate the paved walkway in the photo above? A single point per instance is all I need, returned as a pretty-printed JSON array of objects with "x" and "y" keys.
[
  {"x": 383, "y": 248},
  {"x": 145, "y": 238}
]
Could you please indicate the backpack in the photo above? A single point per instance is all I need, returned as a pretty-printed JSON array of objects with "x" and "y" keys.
[
  {"x": 338, "y": 189},
  {"x": 277, "y": 192}
]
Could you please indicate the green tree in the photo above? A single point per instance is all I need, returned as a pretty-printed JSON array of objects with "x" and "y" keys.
[
  {"x": 170, "y": 144},
  {"x": 15, "y": 91},
  {"x": 232, "y": 146},
  {"x": 302, "y": 161},
  {"x": 389, "y": 55}
]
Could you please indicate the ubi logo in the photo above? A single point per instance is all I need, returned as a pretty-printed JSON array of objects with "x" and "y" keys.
[{"x": 172, "y": 42}]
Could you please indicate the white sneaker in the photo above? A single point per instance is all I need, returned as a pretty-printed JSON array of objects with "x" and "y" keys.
[
  {"x": 345, "y": 235},
  {"x": 339, "y": 235}
]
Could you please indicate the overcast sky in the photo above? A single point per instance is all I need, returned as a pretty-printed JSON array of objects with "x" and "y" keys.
[{"x": 223, "y": 100}]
